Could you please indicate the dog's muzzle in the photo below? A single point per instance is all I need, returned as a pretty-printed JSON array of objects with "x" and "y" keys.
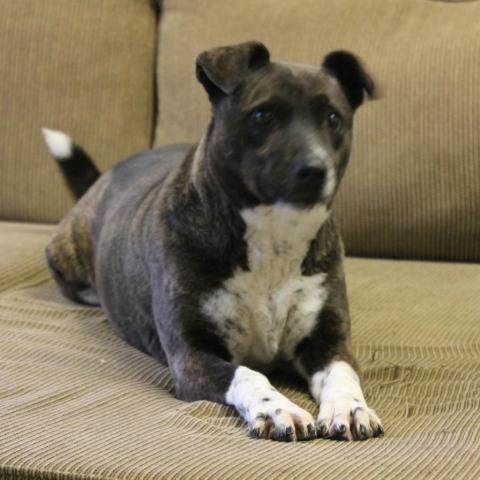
[{"x": 310, "y": 180}]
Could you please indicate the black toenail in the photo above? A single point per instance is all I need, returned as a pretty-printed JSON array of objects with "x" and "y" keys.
[
  {"x": 379, "y": 431},
  {"x": 363, "y": 431},
  {"x": 289, "y": 431},
  {"x": 340, "y": 428},
  {"x": 322, "y": 431},
  {"x": 310, "y": 429}
]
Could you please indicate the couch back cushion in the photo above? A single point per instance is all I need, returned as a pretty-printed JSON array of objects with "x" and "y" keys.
[
  {"x": 412, "y": 189},
  {"x": 86, "y": 67}
]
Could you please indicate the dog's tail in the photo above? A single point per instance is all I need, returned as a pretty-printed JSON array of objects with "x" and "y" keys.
[{"x": 77, "y": 167}]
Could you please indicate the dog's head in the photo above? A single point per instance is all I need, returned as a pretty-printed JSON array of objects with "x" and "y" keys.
[{"x": 281, "y": 132}]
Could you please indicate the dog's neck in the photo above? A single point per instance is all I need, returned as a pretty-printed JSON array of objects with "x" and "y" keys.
[
  {"x": 225, "y": 215},
  {"x": 214, "y": 185}
]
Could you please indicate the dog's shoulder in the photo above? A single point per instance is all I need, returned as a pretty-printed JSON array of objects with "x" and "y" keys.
[{"x": 326, "y": 250}]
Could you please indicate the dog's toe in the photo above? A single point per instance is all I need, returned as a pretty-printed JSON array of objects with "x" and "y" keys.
[
  {"x": 282, "y": 422},
  {"x": 348, "y": 419}
]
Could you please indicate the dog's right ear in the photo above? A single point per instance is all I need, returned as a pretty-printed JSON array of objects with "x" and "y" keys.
[{"x": 222, "y": 69}]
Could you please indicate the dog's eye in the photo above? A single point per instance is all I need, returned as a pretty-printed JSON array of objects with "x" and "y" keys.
[
  {"x": 263, "y": 116},
  {"x": 334, "y": 121}
]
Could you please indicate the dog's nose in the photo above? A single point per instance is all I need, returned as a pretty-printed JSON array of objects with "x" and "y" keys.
[{"x": 308, "y": 174}]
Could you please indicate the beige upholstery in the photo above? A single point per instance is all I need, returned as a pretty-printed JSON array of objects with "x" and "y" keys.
[
  {"x": 85, "y": 67},
  {"x": 78, "y": 403},
  {"x": 412, "y": 188}
]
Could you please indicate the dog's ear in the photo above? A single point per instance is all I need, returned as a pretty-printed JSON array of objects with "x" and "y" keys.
[
  {"x": 221, "y": 70},
  {"x": 353, "y": 78}
]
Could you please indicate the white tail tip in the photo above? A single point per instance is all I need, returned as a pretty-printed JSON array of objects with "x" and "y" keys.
[{"x": 59, "y": 144}]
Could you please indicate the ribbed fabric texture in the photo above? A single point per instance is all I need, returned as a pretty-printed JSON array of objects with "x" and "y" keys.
[
  {"x": 412, "y": 187},
  {"x": 78, "y": 403},
  {"x": 85, "y": 67}
]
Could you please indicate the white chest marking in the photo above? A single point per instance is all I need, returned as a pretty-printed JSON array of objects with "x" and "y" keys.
[{"x": 264, "y": 312}]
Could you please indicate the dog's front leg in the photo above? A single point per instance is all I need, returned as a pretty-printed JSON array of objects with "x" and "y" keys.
[
  {"x": 326, "y": 360},
  {"x": 201, "y": 368},
  {"x": 202, "y": 375}
]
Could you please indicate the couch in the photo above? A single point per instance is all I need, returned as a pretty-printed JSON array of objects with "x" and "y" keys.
[{"x": 76, "y": 402}]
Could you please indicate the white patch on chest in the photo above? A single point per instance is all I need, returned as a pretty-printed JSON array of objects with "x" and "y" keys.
[{"x": 263, "y": 313}]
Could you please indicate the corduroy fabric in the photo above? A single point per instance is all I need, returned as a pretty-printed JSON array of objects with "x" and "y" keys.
[
  {"x": 85, "y": 67},
  {"x": 412, "y": 187},
  {"x": 78, "y": 403}
]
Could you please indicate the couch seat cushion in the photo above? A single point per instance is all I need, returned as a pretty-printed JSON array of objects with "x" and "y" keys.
[{"x": 77, "y": 402}]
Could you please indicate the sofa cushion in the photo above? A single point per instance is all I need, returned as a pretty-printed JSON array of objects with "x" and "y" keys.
[
  {"x": 76, "y": 402},
  {"x": 411, "y": 190},
  {"x": 84, "y": 67}
]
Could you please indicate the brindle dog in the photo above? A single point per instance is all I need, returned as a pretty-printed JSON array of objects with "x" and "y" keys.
[{"x": 222, "y": 260}]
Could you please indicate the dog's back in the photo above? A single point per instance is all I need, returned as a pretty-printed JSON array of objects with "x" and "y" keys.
[{"x": 118, "y": 197}]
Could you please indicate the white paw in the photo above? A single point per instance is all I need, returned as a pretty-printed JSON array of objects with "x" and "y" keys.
[
  {"x": 279, "y": 419},
  {"x": 344, "y": 414},
  {"x": 268, "y": 413},
  {"x": 348, "y": 418}
]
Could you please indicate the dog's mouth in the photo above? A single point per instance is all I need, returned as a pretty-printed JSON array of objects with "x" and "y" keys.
[
  {"x": 300, "y": 195},
  {"x": 277, "y": 179},
  {"x": 300, "y": 179}
]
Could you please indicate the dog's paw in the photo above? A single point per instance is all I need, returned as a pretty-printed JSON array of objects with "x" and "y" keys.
[
  {"x": 268, "y": 413},
  {"x": 348, "y": 418},
  {"x": 281, "y": 420}
]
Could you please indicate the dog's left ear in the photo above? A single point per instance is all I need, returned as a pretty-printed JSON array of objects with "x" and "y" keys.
[
  {"x": 222, "y": 69},
  {"x": 353, "y": 78}
]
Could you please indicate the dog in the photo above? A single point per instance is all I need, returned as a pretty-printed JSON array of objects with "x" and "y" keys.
[{"x": 223, "y": 260}]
